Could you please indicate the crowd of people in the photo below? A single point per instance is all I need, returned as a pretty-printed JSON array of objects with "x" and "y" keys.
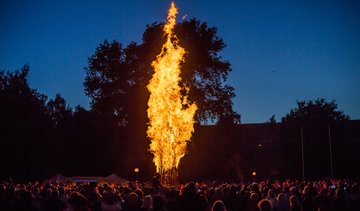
[{"x": 286, "y": 195}]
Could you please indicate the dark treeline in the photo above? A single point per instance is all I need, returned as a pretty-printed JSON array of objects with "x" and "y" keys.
[
  {"x": 273, "y": 151},
  {"x": 40, "y": 137}
]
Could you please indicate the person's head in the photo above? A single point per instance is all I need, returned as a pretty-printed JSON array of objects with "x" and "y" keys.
[
  {"x": 255, "y": 187},
  {"x": 171, "y": 195},
  {"x": 233, "y": 190},
  {"x": 48, "y": 193},
  {"x": 294, "y": 202},
  {"x": 281, "y": 197},
  {"x": 218, "y": 206},
  {"x": 271, "y": 193},
  {"x": 158, "y": 202},
  {"x": 190, "y": 187},
  {"x": 133, "y": 198},
  {"x": 339, "y": 193},
  {"x": 61, "y": 190},
  {"x": 2, "y": 189},
  {"x": 140, "y": 193},
  {"x": 27, "y": 197},
  {"x": 355, "y": 189},
  {"x": 147, "y": 202},
  {"x": 306, "y": 191},
  {"x": 110, "y": 198},
  {"x": 218, "y": 193},
  {"x": 254, "y": 197},
  {"x": 264, "y": 205},
  {"x": 55, "y": 194},
  {"x": 78, "y": 201},
  {"x": 293, "y": 190}
]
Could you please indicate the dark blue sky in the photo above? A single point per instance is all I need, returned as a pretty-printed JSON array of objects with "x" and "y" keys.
[{"x": 280, "y": 51}]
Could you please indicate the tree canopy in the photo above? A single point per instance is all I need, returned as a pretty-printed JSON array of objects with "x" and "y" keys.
[
  {"x": 309, "y": 126},
  {"x": 316, "y": 111},
  {"x": 116, "y": 76},
  {"x": 41, "y": 136}
]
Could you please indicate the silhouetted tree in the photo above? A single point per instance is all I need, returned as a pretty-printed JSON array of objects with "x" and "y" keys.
[
  {"x": 24, "y": 126},
  {"x": 313, "y": 117},
  {"x": 272, "y": 120},
  {"x": 319, "y": 110},
  {"x": 58, "y": 110},
  {"x": 116, "y": 77}
]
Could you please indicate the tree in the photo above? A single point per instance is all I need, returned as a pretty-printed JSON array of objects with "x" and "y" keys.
[
  {"x": 24, "y": 126},
  {"x": 315, "y": 111},
  {"x": 58, "y": 110},
  {"x": 116, "y": 77},
  {"x": 307, "y": 127},
  {"x": 107, "y": 81},
  {"x": 272, "y": 120}
]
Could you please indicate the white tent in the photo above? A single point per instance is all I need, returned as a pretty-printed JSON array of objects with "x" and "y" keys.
[
  {"x": 114, "y": 178},
  {"x": 57, "y": 178}
]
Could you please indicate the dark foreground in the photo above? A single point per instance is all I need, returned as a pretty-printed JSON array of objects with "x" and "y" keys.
[{"x": 277, "y": 195}]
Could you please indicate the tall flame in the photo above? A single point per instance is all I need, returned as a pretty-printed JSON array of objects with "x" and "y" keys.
[{"x": 171, "y": 117}]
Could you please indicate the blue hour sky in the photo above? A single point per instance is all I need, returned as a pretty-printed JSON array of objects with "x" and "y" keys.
[{"x": 280, "y": 51}]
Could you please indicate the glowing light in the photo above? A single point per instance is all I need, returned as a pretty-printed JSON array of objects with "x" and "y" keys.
[
  {"x": 260, "y": 145},
  {"x": 253, "y": 173},
  {"x": 136, "y": 170},
  {"x": 171, "y": 116}
]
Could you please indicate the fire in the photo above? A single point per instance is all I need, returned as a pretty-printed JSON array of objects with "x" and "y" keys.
[{"x": 171, "y": 116}]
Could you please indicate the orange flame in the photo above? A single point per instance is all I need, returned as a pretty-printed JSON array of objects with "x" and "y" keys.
[{"x": 171, "y": 117}]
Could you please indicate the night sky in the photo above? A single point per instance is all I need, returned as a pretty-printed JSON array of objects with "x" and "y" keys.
[{"x": 280, "y": 51}]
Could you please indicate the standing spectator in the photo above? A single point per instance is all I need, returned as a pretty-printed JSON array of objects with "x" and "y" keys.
[
  {"x": 265, "y": 205},
  {"x": 294, "y": 203},
  {"x": 218, "y": 206},
  {"x": 281, "y": 203},
  {"x": 147, "y": 203},
  {"x": 158, "y": 203}
]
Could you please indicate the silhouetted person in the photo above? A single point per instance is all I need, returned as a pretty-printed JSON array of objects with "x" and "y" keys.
[
  {"x": 271, "y": 197},
  {"x": 243, "y": 200},
  {"x": 322, "y": 201},
  {"x": 25, "y": 202},
  {"x": 218, "y": 206},
  {"x": 78, "y": 202},
  {"x": 339, "y": 203},
  {"x": 252, "y": 203},
  {"x": 294, "y": 203},
  {"x": 265, "y": 205},
  {"x": 189, "y": 199},
  {"x": 158, "y": 203},
  {"x": 171, "y": 200},
  {"x": 54, "y": 203},
  {"x": 204, "y": 204},
  {"x": 354, "y": 197},
  {"x": 110, "y": 202},
  {"x": 281, "y": 203},
  {"x": 147, "y": 204},
  {"x": 131, "y": 204},
  {"x": 231, "y": 200},
  {"x": 307, "y": 200},
  {"x": 156, "y": 182}
]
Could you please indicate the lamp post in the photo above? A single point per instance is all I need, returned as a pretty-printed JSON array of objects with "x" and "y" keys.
[
  {"x": 253, "y": 174},
  {"x": 136, "y": 170},
  {"x": 302, "y": 153},
  {"x": 331, "y": 157}
]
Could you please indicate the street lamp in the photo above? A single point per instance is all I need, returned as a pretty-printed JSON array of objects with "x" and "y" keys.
[{"x": 136, "y": 171}]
